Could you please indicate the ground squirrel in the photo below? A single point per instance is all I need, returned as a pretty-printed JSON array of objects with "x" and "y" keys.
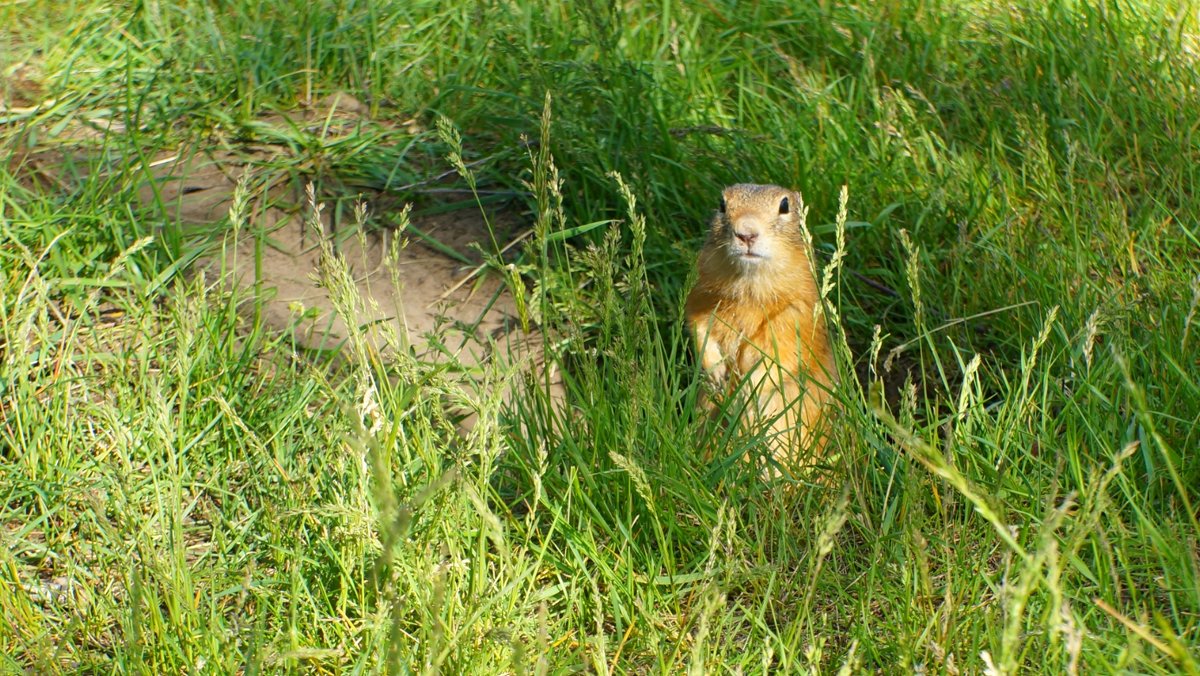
[{"x": 754, "y": 316}]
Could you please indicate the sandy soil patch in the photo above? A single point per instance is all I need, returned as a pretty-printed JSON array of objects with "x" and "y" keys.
[
  {"x": 460, "y": 306},
  {"x": 445, "y": 308}
]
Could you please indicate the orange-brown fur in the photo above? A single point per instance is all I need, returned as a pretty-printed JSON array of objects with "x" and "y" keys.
[{"x": 753, "y": 314}]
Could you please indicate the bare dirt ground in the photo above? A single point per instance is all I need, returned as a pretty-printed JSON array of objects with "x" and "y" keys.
[
  {"x": 461, "y": 306},
  {"x": 443, "y": 308}
]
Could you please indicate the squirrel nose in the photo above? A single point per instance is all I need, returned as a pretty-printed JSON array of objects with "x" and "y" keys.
[{"x": 746, "y": 238}]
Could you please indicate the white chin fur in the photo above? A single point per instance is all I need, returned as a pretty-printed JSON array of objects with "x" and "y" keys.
[
  {"x": 747, "y": 257},
  {"x": 751, "y": 265}
]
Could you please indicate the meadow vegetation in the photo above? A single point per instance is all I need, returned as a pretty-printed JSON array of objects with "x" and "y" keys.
[{"x": 1016, "y": 279}]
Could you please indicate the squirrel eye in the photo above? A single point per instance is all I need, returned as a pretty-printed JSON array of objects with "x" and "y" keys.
[
  {"x": 783, "y": 206},
  {"x": 722, "y": 205}
]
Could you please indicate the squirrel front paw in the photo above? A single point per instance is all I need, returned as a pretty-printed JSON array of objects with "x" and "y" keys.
[{"x": 717, "y": 374}]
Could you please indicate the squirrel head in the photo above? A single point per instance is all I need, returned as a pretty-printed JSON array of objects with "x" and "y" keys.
[{"x": 757, "y": 227}]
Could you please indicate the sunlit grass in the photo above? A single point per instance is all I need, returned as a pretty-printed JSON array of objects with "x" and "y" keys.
[{"x": 1014, "y": 486}]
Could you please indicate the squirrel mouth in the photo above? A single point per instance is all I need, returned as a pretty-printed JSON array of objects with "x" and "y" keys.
[{"x": 746, "y": 255}]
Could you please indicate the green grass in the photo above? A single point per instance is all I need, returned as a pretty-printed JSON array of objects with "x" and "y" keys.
[{"x": 1015, "y": 486}]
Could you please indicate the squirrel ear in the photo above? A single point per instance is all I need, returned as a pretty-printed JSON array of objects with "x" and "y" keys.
[
  {"x": 783, "y": 206},
  {"x": 722, "y": 205}
]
